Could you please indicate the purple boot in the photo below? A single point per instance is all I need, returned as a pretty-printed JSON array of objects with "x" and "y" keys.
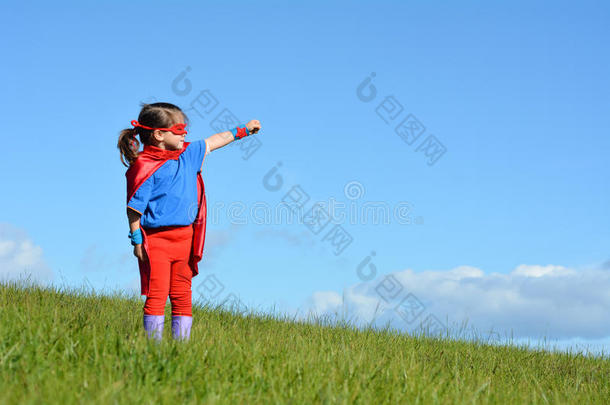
[
  {"x": 153, "y": 325},
  {"x": 181, "y": 327}
]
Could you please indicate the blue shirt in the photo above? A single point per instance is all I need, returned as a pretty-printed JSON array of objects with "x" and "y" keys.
[{"x": 169, "y": 195}]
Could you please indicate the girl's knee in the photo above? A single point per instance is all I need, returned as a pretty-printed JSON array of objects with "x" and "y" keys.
[
  {"x": 182, "y": 296},
  {"x": 181, "y": 304},
  {"x": 155, "y": 305}
]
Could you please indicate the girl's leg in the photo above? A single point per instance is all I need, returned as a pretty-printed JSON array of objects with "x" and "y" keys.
[
  {"x": 158, "y": 288},
  {"x": 160, "y": 268},
  {"x": 180, "y": 295}
]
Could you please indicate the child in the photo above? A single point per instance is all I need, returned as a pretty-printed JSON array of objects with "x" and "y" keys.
[{"x": 166, "y": 209}]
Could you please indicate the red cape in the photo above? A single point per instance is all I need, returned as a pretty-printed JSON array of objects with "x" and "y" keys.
[{"x": 148, "y": 161}]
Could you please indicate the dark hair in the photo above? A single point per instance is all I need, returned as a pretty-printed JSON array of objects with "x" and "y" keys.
[{"x": 156, "y": 115}]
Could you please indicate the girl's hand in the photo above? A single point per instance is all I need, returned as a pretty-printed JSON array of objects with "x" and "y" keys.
[
  {"x": 253, "y": 126},
  {"x": 140, "y": 253}
]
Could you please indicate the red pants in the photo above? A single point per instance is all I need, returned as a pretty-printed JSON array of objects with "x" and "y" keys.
[{"x": 169, "y": 249}]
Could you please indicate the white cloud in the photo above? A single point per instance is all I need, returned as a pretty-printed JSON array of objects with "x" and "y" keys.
[
  {"x": 20, "y": 257},
  {"x": 539, "y": 271},
  {"x": 325, "y": 301},
  {"x": 552, "y": 302}
]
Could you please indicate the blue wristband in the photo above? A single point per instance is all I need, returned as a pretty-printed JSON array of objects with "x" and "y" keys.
[{"x": 136, "y": 237}]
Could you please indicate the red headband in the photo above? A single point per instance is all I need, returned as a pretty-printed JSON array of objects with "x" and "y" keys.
[{"x": 177, "y": 129}]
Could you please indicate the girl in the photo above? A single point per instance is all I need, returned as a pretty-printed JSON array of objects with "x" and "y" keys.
[{"x": 166, "y": 209}]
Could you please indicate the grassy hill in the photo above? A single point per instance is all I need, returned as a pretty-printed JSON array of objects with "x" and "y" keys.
[{"x": 60, "y": 347}]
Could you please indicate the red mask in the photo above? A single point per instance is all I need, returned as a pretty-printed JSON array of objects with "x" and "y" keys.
[{"x": 177, "y": 129}]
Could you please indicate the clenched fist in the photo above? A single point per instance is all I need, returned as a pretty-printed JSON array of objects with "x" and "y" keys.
[{"x": 253, "y": 126}]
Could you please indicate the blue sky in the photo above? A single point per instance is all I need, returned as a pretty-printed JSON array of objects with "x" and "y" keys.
[{"x": 517, "y": 94}]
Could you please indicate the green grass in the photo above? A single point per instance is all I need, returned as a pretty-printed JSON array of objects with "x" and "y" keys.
[{"x": 61, "y": 346}]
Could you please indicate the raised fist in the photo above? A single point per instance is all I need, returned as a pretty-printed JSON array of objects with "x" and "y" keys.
[{"x": 253, "y": 126}]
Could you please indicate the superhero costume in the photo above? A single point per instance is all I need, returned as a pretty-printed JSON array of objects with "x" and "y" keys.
[{"x": 148, "y": 161}]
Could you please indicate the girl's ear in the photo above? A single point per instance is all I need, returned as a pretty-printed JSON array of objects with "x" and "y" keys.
[{"x": 157, "y": 135}]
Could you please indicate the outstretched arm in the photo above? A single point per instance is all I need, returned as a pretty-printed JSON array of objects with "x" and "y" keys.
[
  {"x": 219, "y": 140},
  {"x": 224, "y": 138}
]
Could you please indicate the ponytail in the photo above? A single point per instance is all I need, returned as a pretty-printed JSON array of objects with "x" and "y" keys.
[{"x": 128, "y": 145}]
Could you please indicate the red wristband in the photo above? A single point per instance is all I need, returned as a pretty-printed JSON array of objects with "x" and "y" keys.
[{"x": 241, "y": 132}]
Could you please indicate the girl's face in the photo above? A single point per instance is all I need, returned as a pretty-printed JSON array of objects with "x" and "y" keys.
[{"x": 169, "y": 140}]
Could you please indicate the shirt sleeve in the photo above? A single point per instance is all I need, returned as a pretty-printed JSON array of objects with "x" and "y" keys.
[
  {"x": 140, "y": 199},
  {"x": 196, "y": 152}
]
